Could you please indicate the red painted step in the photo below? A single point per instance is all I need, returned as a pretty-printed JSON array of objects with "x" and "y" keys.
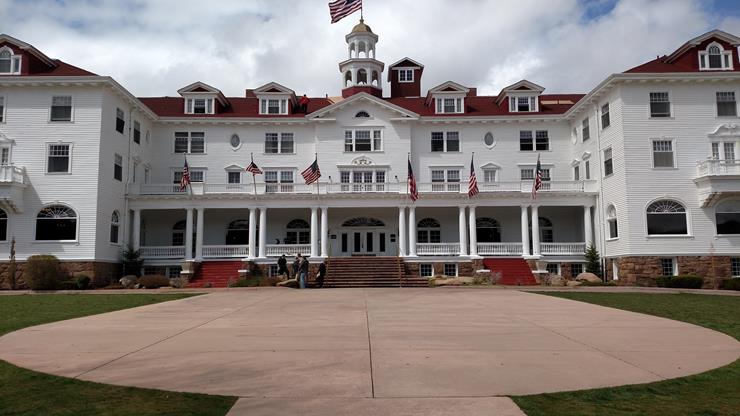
[
  {"x": 514, "y": 271},
  {"x": 216, "y": 273}
]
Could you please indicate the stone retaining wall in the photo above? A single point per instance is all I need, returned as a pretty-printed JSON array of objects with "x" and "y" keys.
[
  {"x": 642, "y": 270},
  {"x": 102, "y": 273}
]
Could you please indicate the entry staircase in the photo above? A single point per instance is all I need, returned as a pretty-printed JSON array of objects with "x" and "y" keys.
[
  {"x": 369, "y": 272},
  {"x": 216, "y": 274},
  {"x": 514, "y": 271}
]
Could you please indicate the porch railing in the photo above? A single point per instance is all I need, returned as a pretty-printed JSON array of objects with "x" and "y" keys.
[
  {"x": 499, "y": 249},
  {"x": 224, "y": 251},
  {"x": 371, "y": 187},
  {"x": 162, "y": 252},
  {"x": 716, "y": 167},
  {"x": 12, "y": 174},
  {"x": 276, "y": 250},
  {"x": 438, "y": 249},
  {"x": 563, "y": 248}
]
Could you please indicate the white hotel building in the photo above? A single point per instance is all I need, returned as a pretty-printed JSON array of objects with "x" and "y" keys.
[{"x": 643, "y": 166}]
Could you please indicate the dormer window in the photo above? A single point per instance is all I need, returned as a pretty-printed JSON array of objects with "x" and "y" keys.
[
  {"x": 199, "y": 106},
  {"x": 715, "y": 57},
  {"x": 405, "y": 75},
  {"x": 273, "y": 106},
  {"x": 10, "y": 64},
  {"x": 449, "y": 105},
  {"x": 362, "y": 114},
  {"x": 522, "y": 104}
]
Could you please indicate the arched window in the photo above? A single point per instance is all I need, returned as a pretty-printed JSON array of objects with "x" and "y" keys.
[
  {"x": 361, "y": 50},
  {"x": 375, "y": 78},
  {"x": 727, "y": 215},
  {"x": 611, "y": 220},
  {"x": 114, "y": 226},
  {"x": 546, "y": 234},
  {"x": 363, "y": 222},
  {"x": 178, "y": 233},
  {"x": 56, "y": 223},
  {"x": 715, "y": 57},
  {"x": 361, "y": 77},
  {"x": 3, "y": 225},
  {"x": 488, "y": 230},
  {"x": 348, "y": 78},
  {"x": 428, "y": 231},
  {"x": 5, "y": 63},
  {"x": 298, "y": 232},
  {"x": 238, "y": 232},
  {"x": 666, "y": 217},
  {"x": 362, "y": 114}
]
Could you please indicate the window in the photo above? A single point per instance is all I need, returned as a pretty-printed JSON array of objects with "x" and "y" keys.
[
  {"x": 522, "y": 104},
  {"x": 585, "y": 130},
  {"x": 118, "y": 167},
  {"x": 668, "y": 267},
  {"x": 577, "y": 173},
  {"x": 735, "y": 266},
  {"x": 445, "y": 180},
  {"x": 2, "y": 109},
  {"x": 3, "y": 225},
  {"x": 525, "y": 140},
  {"x": 542, "y": 141},
  {"x": 173, "y": 271},
  {"x": 273, "y": 106},
  {"x": 553, "y": 268},
  {"x": 487, "y": 230},
  {"x": 58, "y": 158},
  {"x": 450, "y": 269},
  {"x": 362, "y": 180},
  {"x": 489, "y": 175},
  {"x": 237, "y": 232},
  {"x": 137, "y": 132},
  {"x": 663, "y": 154},
  {"x": 199, "y": 106},
  {"x": 178, "y": 233},
  {"x": 588, "y": 169},
  {"x": 146, "y": 175},
  {"x": 715, "y": 57},
  {"x": 298, "y": 231},
  {"x": 449, "y": 105},
  {"x": 362, "y": 114},
  {"x": 278, "y": 181},
  {"x": 363, "y": 141},
  {"x": 235, "y": 141},
  {"x": 10, "y": 63},
  {"x": 190, "y": 142},
  {"x": 428, "y": 231},
  {"x": 234, "y": 177},
  {"x": 450, "y": 144},
  {"x": 527, "y": 174},
  {"x": 4, "y": 155},
  {"x": 608, "y": 164},
  {"x": 279, "y": 143},
  {"x": 605, "y": 122},
  {"x": 405, "y": 75},
  {"x": 488, "y": 139},
  {"x": 120, "y": 120},
  {"x": 134, "y": 168},
  {"x": 660, "y": 104},
  {"x": 576, "y": 269},
  {"x": 114, "y": 226},
  {"x": 611, "y": 220},
  {"x": 727, "y": 215},
  {"x": 726, "y": 105},
  {"x": 426, "y": 270},
  {"x": 546, "y": 231},
  {"x": 196, "y": 176},
  {"x": 666, "y": 217},
  {"x": 56, "y": 223},
  {"x": 729, "y": 150},
  {"x": 61, "y": 108}
]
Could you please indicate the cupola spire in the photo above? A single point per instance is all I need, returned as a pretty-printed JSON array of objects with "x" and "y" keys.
[{"x": 361, "y": 72}]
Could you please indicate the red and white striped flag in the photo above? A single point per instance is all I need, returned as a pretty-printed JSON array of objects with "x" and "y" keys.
[
  {"x": 472, "y": 182},
  {"x": 537, "y": 184},
  {"x": 343, "y": 8},
  {"x": 413, "y": 192},
  {"x": 185, "y": 179},
  {"x": 312, "y": 173},
  {"x": 254, "y": 169}
]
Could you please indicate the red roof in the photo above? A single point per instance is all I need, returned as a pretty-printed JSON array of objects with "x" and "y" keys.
[
  {"x": 62, "y": 69},
  {"x": 239, "y": 107},
  {"x": 486, "y": 106}
]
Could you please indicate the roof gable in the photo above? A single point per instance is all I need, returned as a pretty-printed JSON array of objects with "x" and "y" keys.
[
  {"x": 699, "y": 40},
  {"x": 521, "y": 86},
  {"x": 28, "y": 48},
  {"x": 406, "y": 62},
  {"x": 360, "y": 97},
  {"x": 201, "y": 88},
  {"x": 273, "y": 88},
  {"x": 449, "y": 86}
]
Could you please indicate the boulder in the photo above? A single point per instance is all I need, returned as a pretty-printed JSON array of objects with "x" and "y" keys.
[
  {"x": 128, "y": 281},
  {"x": 289, "y": 283},
  {"x": 588, "y": 277},
  {"x": 557, "y": 281},
  {"x": 573, "y": 283}
]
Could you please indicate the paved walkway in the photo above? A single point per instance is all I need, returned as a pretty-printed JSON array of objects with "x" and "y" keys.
[{"x": 370, "y": 351}]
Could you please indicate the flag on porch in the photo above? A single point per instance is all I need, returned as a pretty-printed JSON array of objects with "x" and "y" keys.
[
  {"x": 254, "y": 169},
  {"x": 472, "y": 182},
  {"x": 413, "y": 192},
  {"x": 343, "y": 8},
  {"x": 537, "y": 184},
  {"x": 185, "y": 179},
  {"x": 312, "y": 173}
]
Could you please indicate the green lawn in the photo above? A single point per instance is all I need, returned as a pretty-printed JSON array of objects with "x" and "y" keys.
[
  {"x": 713, "y": 393},
  {"x": 24, "y": 392}
]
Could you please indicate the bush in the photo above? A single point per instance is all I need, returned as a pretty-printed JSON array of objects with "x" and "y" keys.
[
  {"x": 730, "y": 284},
  {"x": 43, "y": 272},
  {"x": 82, "y": 281},
  {"x": 662, "y": 281},
  {"x": 154, "y": 281},
  {"x": 179, "y": 282},
  {"x": 680, "y": 282},
  {"x": 251, "y": 281}
]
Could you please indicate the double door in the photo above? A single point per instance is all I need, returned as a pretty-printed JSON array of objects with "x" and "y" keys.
[{"x": 364, "y": 242}]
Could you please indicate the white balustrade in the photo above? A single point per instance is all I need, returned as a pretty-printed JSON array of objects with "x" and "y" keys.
[
  {"x": 437, "y": 249},
  {"x": 225, "y": 251},
  {"x": 277, "y": 250},
  {"x": 563, "y": 248},
  {"x": 716, "y": 167},
  {"x": 499, "y": 249},
  {"x": 370, "y": 187},
  {"x": 162, "y": 252},
  {"x": 12, "y": 173}
]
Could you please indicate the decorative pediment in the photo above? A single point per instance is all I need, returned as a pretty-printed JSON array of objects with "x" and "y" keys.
[
  {"x": 200, "y": 89},
  {"x": 5, "y": 139},
  {"x": 449, "y": 86},
  {"x": 273, "y": 88},
  {"x": 363, "y": 97},
  {"x": 585, "y": 155},
  {"x": 697, "y": 41},
  {"x": 28, "y": 48},
  {"x": 233, "y": 167},
  {"x": 726, "y": 130},
  {"x": 522, "y": 87},
  {"x": 490, "y": 165},
  {"x": 407, "y": 62},
  {"x": 362, "y": 161}
]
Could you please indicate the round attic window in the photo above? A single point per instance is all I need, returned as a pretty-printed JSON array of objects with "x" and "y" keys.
[
  {"x": 488, "y": 139},
  {"x": 235, "y": 141}
]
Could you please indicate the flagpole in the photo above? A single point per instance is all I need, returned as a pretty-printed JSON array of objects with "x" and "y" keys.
[
  {"x": 318, "y": 187},
  {"x": 408, "y": 159},
  {"x": 254, "y": 176},
  {"x": 472, "y": 156}
]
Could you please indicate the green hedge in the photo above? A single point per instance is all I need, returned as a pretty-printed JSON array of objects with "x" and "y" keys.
[
  {"x": 731, "y": 284},
  {"x": 43, "y": 272},
  {"x": 682, "y": 282}
]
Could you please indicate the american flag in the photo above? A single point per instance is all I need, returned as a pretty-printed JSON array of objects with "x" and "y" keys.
[
  {"x": 185, "y": 179},
  {"x": 312, "y": 173},
  {"x": 342, "y": 8},
  {"x": 473, "y": 182},
  {"x": 413, "y": 192},
  {"x": 537, "y": 179},
  {"x": 254, "y": 169}
]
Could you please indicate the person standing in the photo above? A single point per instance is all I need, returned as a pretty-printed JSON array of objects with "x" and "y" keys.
[
  {"x": 303, "y": 270},
  {"x": 282, "y": 264},
  {"x": 321, "y": 275},
  {"x": 296, "y": 263}
]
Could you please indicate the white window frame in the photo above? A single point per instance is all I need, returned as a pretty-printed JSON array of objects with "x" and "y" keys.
[
  {"x": 736, "y": 260},
  {"x": 606, "y": 114},
  {"x": 610, "y": 159},
  {"x": 446, "y": 185},
  {"x": 46, "y": 158},
  {"x": 120, "y": 115},
  {"x": 674, "y": 266},
  {"x": 374, "y": 185},
  {"x": 177, "y": 174},
  {"x": 458, "y": 104},
  {"x": 673, "y": 151},
  {"x": 77, "y": 224},
  {"x": 237, "y": 171},
  {"x": 670, "y": 105},
  {"x": 446, "y": 265},
  {"x": 16, "y": 61},
  {"x": 3, "y": 106},
  {"x": 531, "y": 102},
  {"x": 6, "y": 148},
  {"x": 422, "y": 266},
  {"x": 734, "y": 95},
  {"x": 445, "y": 140},
  {"x": 209, "y": 106},
  {"x": 280, "y": 186},
  {"x": 725, "y": 58},
  {"x": 282, "y": 106},
  {"x": 190, "y": 143},
  {"x": 546, "y": 173},
  {"x": 137, "y": 129},
  {"x": 611, "y": 216},
  {"x": 117, "y": 224},
  {"x": 71, "y": 111},
  {"x": 687, "y": 213},
  {"x": 350, "y": 138},
  {"x": 586, "y": 128},
  {"x": 408, "y": 75},
  {"x": 280, "y": 137},
  {"x": 116, "y": 158},
  {"x": 557, "y": 268},
  {"x": 487, "y": 172}
]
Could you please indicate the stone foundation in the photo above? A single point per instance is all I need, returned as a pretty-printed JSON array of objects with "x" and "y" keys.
[
  {"x": 101, "y": 273},
  {"x": 642, "y": 270},
  {"x": 465, "y": 268}
]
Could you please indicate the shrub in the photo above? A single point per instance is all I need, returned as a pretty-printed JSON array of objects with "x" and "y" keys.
[
  {"x": 251, "y": 281},
  {"x": 128, "y": 281},
  {"x": 154, "y": 281},
  {"x": 43, "y": 272},
  {"x": 70, "y": 284},
  {"x": 680, "y": 282},
  {"x": 730, "y": 284},
  {"x": 82, "y": 281},
  {"x": 179, "y": 282},
  {"x": 662, "y": 281}
]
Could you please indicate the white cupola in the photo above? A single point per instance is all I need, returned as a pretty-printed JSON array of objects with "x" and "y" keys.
[{"x": 361, "y": 72}]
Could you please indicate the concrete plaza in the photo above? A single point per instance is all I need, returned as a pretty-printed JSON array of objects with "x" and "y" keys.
[{"x": 367, "y": 351}]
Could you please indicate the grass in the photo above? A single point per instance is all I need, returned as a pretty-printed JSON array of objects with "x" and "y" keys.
[
  {"x": 713, "y": 393},
  {"x": 25, "y": 392}
]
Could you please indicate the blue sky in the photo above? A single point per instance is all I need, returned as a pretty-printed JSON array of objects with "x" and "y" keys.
[{"x": 156, "y": 47}]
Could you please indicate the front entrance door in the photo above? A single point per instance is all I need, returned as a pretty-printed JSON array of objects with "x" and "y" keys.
[{"x": 364, "y": 242}]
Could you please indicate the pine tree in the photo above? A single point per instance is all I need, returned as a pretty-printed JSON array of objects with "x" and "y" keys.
[{"x": 593, "y": 260}]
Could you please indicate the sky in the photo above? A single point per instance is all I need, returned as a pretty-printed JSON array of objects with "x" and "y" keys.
[{"x": 155, "y": 47}]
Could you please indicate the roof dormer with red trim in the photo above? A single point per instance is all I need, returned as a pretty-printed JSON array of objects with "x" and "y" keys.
[
  {"x": 712, "y": 51},
  {"x": 522, "y": 97},
  {"x": 18, "y": 58},
  {"x": 274, "y": 99},
  {"x": 448, "y": 98},
  {"x": 201, "y": 98},
  {"x": 405, "y": 78}
]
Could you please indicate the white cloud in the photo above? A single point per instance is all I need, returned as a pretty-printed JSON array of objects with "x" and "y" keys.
[{"x": 156, "y": 47}]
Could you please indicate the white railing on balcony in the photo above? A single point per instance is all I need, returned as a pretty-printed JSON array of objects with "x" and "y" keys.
[
  {"x": 276, "y": 250},
  {"x": 438, "y": 249},
  {"x": 12, "y": 174},
  {"x": 162, "y": 252},
  {"x": 225, "y": 251},
  {"x": 499, "y": 249},
  {"x": 370, "y": 187},
  {"x": 712, "y": 167},
  {"x": 563, "y": 248}
]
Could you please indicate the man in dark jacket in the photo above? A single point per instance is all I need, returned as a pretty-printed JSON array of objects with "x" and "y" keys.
[
  {"x": 296, "y": 263},
  {"x": 321, "y": 275},
  {"x": 303, "y": 272},
  {"x": 282, "y": 264}
]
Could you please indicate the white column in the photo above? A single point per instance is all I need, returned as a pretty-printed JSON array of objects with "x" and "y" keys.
[
  {"x": 325, "y": 232},
  {"x": 525, "y": 231},
  {"x": 189, "y": 234},
  {"x": 199, "y": 225},
  {"x": 535, "y": 231},
  {"x": 137, "y": 230},
  {"x": 463, "y": 231},
  {"x": 402, "y": 230},
  {"x": 587, "y": 226},
  {"x": 412, "y": 231},
  {"x": 263, "y": 232},
  {"x": 252, "y": 233},
  {"x": 472, "y": 226},
  {"x": 314, "y": 232}
]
